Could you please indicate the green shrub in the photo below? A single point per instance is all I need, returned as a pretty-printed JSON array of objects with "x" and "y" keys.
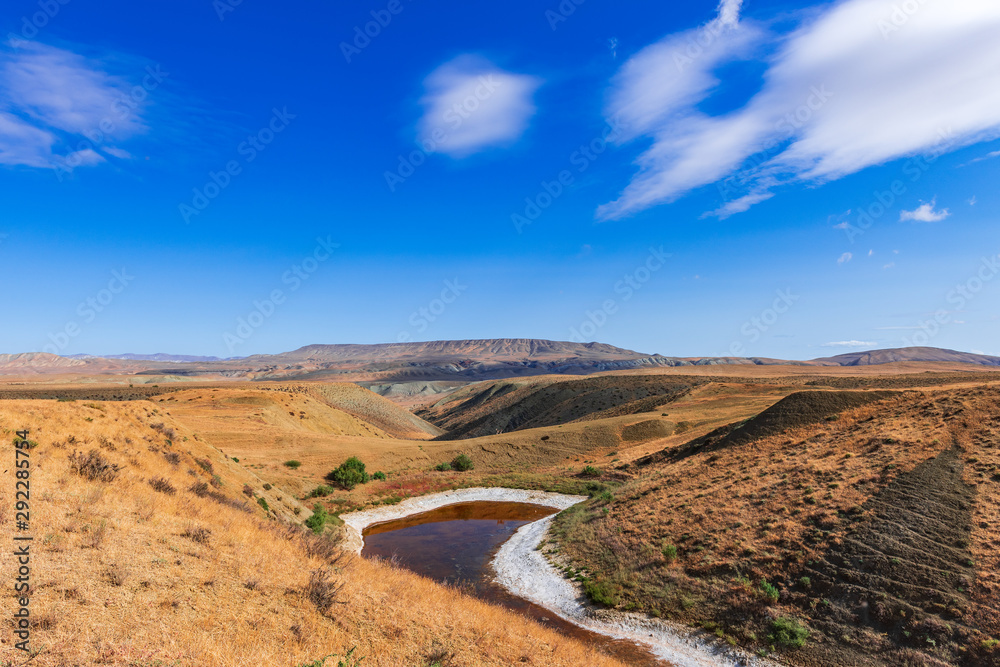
[
  {"x": 670, "y": 552},
  {"x": 263, "y": 503},
  {"x": 600, "y": 592},
  {"x": 350, "y": 473},
  {"x": 806, "y": 582},
  {"x": 591, "y": 471},
  {"x": 788, "y": 632},
  {"x": 442, "y": 467},
  {"x": 293, "y": 464},
  {"x": 317, "y": 521},
  {"x": 347, "y": 661},
  {"x": 769, "y": 591},
  {"x": 462, "y": 463},
  {"x": 379, "y": 475},
  {"x": 320, "y": 491},
  {"x": 236, "y": 460}
]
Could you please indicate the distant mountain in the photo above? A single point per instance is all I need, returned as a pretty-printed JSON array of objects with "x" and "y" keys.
[
  {"x": 159, "y": 356},
  {"x": 436, "y": 361},
  {"x": 874, "y": 357}
]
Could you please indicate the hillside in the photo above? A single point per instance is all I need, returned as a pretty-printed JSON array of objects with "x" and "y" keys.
[
  {"x": 152, "y": 548},
  {"x": 930, "y": 354},
  {"x": 503, "y": 406},
  {"x": 871, "y": 527}
]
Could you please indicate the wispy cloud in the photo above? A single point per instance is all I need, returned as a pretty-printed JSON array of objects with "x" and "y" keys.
[
  {"x": 850, "y": 343},
  {"x": 471, "y": 105},
  {"x": 924, "y": 213},
  {"x": 845, "y": 258},
  {"x": 58, "y": 107},
  {"x": 837, "y": 98}
]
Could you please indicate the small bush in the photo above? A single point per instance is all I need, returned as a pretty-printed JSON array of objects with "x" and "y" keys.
[
  {"x": 321, "y": 590},
  {"x": 600, "y": 592},
  {"x": 788, "y": 633},
  {"x": 806, "y": 582},
  {"x": 199, "y": 535},
  {"x": 162, "y": 485},
  {"x": 263, "y": 503},
  {"x": 320, "y": 491},
  {"x": 443, "y": 467},
  {"x": 236, "y": 460},
  {"x": 769, "y": 591},
  {"x": 293, "y": 464},
  {"x": 317, "y": 521},
  {"x": 267, "y": 487},
  {"x": 462, "y": 463},
  {"x": 670, "y": 552},
  {"x": 591, "y": 471},
  {"x": 31, "y": 443},
  {"x": 205, "y": 465},
  {"x": 248, "y": 491},
  {"x": 350, "y": 473},
  {"x": 94, "y": 466},
  {"x": 173, "y": 458},
  {"x": 379, "y": 475}
]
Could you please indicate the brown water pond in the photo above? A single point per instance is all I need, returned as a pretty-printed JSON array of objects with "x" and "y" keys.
[{"x": 454, "y": 544}]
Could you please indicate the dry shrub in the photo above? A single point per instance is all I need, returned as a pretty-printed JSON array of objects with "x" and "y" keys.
[
  {"x": 172, "y": 457},
  {"x": 322, "y": 590},
  {"x": 248, "y": 491},
  {"x": 95, "y": 535},
  {"x": 162, "y": 485},
  {"x": 117, "y": 574},
  {"x": 94, "y": 466},
  {"x": 199, "y": 535},
  {"x": 251, "y": 585}
]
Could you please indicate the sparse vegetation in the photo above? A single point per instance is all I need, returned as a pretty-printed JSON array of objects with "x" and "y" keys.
[
  {"x": 462, "y": 463},
  {"x": 788, "y": 633},
  {"x": 317, "y": 521},
  {"x": 94, "y": 466},
  {"x": 349, "y": 474},
  {"x": 293, "y": 464}
]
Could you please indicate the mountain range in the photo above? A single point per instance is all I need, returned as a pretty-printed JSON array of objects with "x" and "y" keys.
[{"x": 433, "y": 361}]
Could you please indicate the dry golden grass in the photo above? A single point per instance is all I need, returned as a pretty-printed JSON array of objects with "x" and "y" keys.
[{"x": 126, "y": 575}]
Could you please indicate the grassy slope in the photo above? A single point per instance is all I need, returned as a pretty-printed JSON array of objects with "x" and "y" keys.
[
  {"x": 119, "y": 578},
  {"x": 869, "y": 506}
]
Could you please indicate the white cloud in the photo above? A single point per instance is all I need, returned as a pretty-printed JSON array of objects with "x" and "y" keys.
[
  {"x": 837, "y": 97},
  {"x": 471, "y": 105},
  {"x": 845, "y": 258},
  {"x": 924, "y": 213},
  {"x": 890, "y": 265},
  {"x": 58, "y": 108},
  {"x": 850, "y": 343}
]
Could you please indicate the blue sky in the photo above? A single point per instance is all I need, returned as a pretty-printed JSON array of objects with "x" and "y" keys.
[{"x": 757, "y": 178}]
